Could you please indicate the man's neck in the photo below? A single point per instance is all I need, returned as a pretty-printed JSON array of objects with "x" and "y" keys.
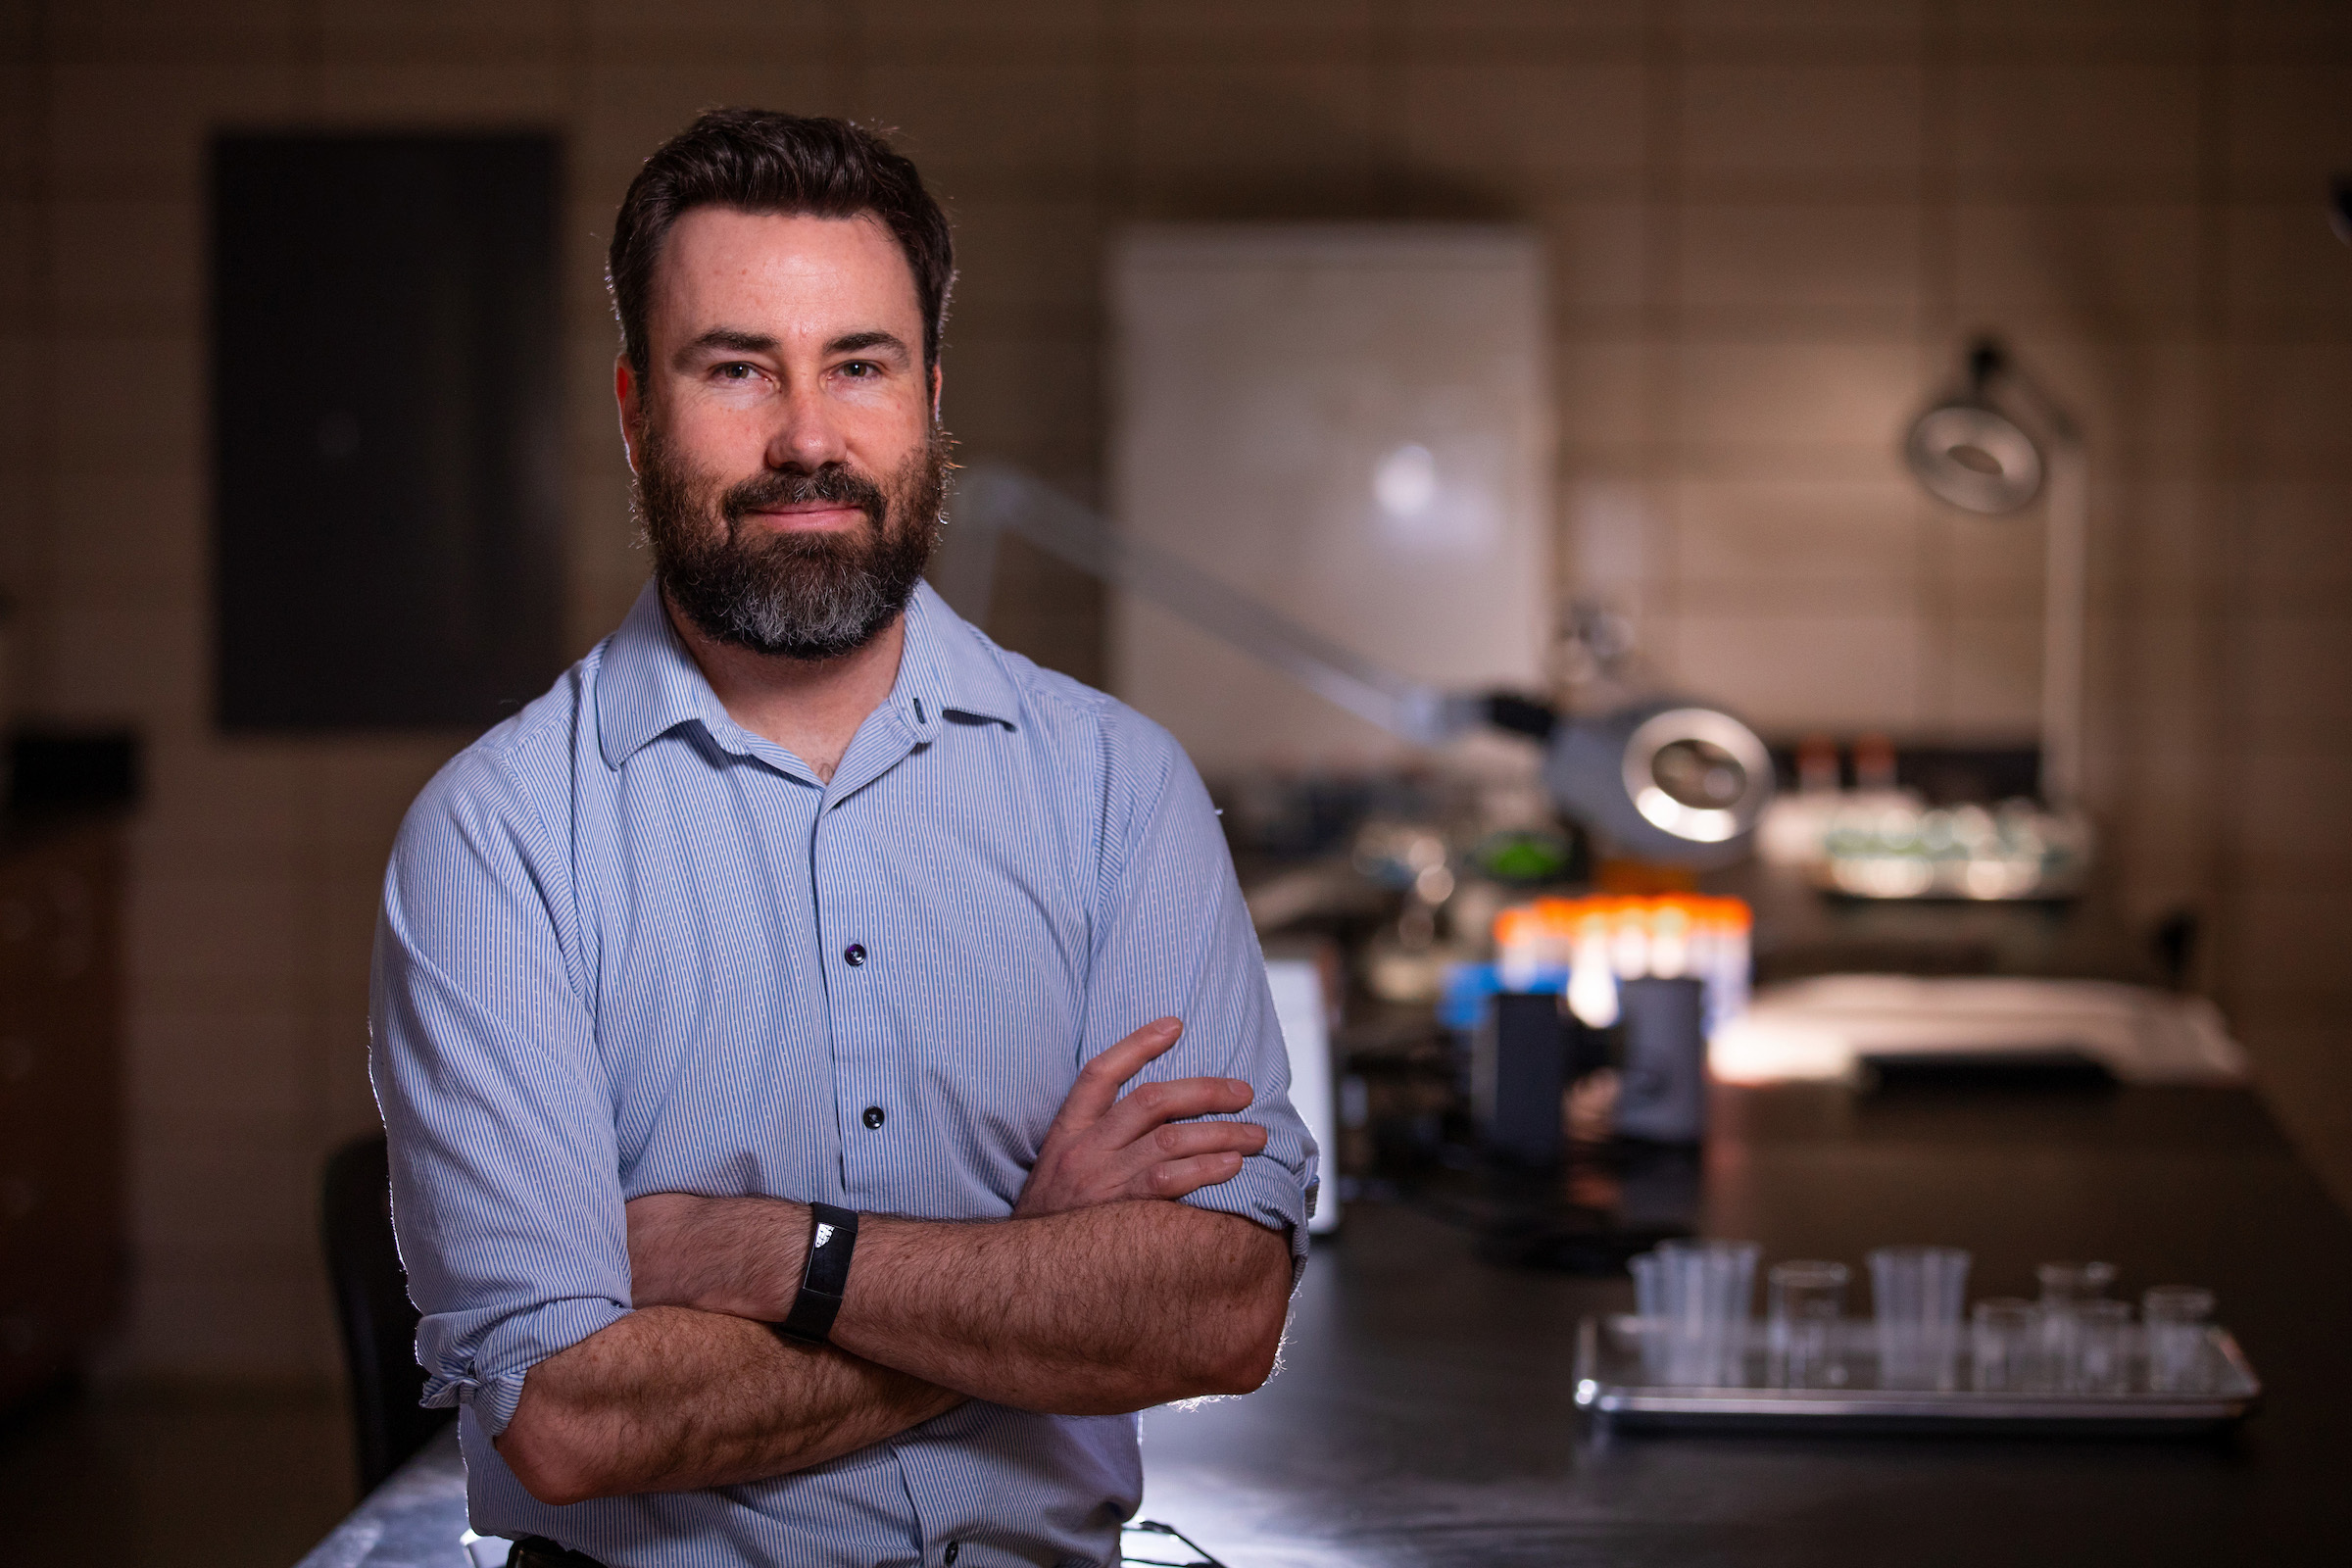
[{"x": 811, "y": 708}]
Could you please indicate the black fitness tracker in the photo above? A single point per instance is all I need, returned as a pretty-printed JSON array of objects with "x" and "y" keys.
[{"x": 832, "y": 1237}]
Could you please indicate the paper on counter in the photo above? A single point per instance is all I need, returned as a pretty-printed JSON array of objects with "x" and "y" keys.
[{"x": 1816, "y": 1029}]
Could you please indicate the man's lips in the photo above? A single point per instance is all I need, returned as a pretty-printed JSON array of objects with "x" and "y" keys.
[{"x": 809, "y": 515}]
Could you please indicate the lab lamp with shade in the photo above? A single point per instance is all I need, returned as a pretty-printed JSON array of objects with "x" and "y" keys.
[
  {"x": 1664, "y": 780},
  {"x": 1977, "y": 450}
]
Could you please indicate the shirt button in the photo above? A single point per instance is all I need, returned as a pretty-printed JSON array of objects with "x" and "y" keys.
[
  {"x": 854, "y": 954},
  {"x": 872, "y": 1117}
]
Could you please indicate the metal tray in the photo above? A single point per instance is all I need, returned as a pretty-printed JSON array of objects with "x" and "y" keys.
[{"x": 1612, "y": 1383}]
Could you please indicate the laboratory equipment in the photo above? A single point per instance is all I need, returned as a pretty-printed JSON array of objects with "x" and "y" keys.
[
  {"x": 1804, "y": 1345},
  {"x": 1518, "y": 1069},
  {"x": 1916, "y": 1295},
  {"x": 1974, "y": 451},
  {"x": 1687, "y": 1358},
  {"x": 2065, "y": 1287},
  {"x": 1839, "y": 1026},
  {"x": 1663, "y": 780},
  {"x": 1662, "y": 1091},
  {"x": 2173, "y": 1320},
  {"x": 2001, "y": 1346},
  {"x": 1694, "y": 1296},
  {"x": 2103, "y": 1347},
  {"x": 1586, "y": 947},
  {"x": 1617, "y": 1380}
]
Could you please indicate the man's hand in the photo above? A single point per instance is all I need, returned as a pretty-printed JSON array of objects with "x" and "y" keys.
[
  {"x": 1104, "y": 1150},
  {"x": 1088, "y": 1302},
  {"x": 719, "y": 1255}
]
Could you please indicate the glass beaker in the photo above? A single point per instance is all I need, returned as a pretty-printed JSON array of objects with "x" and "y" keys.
[
  {"x": 2173, "y": 1320},
  {"x": 2102, "y": 1361},
  {"x": 1807, "y": 1312},
  {"x": 1916, "y": 1292},
  {"x": 2064, "y": 1287},
  {"x": 2001, "y": 1347},
  {"x": 1703, "y": 1291}
]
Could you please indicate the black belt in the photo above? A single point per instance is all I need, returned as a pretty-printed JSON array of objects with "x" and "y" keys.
[{"x": 537, "y": 1551}]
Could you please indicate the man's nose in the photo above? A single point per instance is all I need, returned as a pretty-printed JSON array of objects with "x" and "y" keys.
[{"x": 808, "y": 435}]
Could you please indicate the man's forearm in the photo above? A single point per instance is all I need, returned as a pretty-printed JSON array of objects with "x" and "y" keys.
[
  {"x": 1095, "y": 1311},
  {"x": 670, "y": 1399},
  {"x": 1088, "y": 1311}
]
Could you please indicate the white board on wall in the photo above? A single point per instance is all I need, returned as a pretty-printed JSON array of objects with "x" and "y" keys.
[{"x": 1352, "y": 423}]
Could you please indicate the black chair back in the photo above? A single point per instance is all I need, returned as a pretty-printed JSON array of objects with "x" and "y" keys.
[{"x": 372, "y": 1308}]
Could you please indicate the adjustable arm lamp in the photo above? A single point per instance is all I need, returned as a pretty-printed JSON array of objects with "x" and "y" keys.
[
  {"x": 1972, "y": 453},
  {"x": 1666, "y": 780}
]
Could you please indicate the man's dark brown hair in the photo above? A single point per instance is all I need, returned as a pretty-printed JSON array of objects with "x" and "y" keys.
[{"x": 759, "y": 161}]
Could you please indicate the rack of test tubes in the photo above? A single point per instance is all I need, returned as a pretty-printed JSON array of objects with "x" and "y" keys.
[
  {"x": 1585, "y": 947},
  {"x": 1694, "y": 1353}
]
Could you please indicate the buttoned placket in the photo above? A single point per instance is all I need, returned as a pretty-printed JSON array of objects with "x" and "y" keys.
[{"x": 869, "y": 1077}]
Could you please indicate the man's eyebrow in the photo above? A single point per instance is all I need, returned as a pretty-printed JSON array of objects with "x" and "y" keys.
[
  {"x": 733, "y": 340},
  {"x": 855, "y": 341}
]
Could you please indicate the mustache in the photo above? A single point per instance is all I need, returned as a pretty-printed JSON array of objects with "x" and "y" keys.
[{"x": 833, "y": 483}]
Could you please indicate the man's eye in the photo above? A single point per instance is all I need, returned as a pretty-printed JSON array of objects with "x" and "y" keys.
[
  {"x": 737, "y": 371},
  {"x": 862, "y": 368}
]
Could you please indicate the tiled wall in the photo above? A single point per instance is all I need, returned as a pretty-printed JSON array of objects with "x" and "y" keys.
[{"x": 1773, "y": 223}]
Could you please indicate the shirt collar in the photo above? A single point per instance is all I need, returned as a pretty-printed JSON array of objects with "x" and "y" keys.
[
  {"x": 948, "y": 673},
  {"x": 649, "y": 684}
]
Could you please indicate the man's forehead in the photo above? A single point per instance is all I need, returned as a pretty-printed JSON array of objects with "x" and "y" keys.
[{"x": 793, "y": 272}]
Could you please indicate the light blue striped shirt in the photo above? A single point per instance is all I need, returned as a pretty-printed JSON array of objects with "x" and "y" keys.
[{"x": 629, "y": 947}]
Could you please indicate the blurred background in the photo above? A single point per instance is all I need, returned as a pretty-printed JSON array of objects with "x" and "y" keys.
[{"x": 1765, "y": 235}]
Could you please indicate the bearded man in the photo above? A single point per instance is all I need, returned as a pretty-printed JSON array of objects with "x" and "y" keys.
[{"x": 814, "y": 1041}]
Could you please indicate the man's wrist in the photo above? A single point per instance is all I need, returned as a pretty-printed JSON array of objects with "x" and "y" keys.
[
  {"x": 773, "y": 1253},
  {"x": 825, "y": 1276},
  {"x": 742, "y": 1256},
  {"x": 782, "y": 1256}
]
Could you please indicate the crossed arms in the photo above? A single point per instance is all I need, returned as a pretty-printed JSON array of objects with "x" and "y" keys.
[{"x": 1098, "y": 1295}]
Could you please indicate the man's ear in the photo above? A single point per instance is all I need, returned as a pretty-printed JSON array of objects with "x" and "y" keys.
[
  {"x": 629, "y": 395},
  {"x": 937, "y": 382}
]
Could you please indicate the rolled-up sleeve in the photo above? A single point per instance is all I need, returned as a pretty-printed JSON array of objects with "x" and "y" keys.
[
  {"x": 1175, "y": 940},
  {"x": 505, "y": 1194}
]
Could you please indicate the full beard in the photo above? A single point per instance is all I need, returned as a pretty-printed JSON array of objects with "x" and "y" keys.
[{"x": 807, "y": 595}]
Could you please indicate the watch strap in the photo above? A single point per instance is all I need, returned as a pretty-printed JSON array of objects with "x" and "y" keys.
[{"x": 832, "y": 1240}]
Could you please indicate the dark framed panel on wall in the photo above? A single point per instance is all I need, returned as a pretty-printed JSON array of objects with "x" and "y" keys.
[{"x": 386, "y": 364}]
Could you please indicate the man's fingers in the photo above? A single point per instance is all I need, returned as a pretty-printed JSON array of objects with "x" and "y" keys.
[
  {"x": 1101, "y": 1080},
  {"x": 1176, "y": 1100},
  {"x": 1182, "y": 1139},
  {"x": 1177, "y": 1177}
]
